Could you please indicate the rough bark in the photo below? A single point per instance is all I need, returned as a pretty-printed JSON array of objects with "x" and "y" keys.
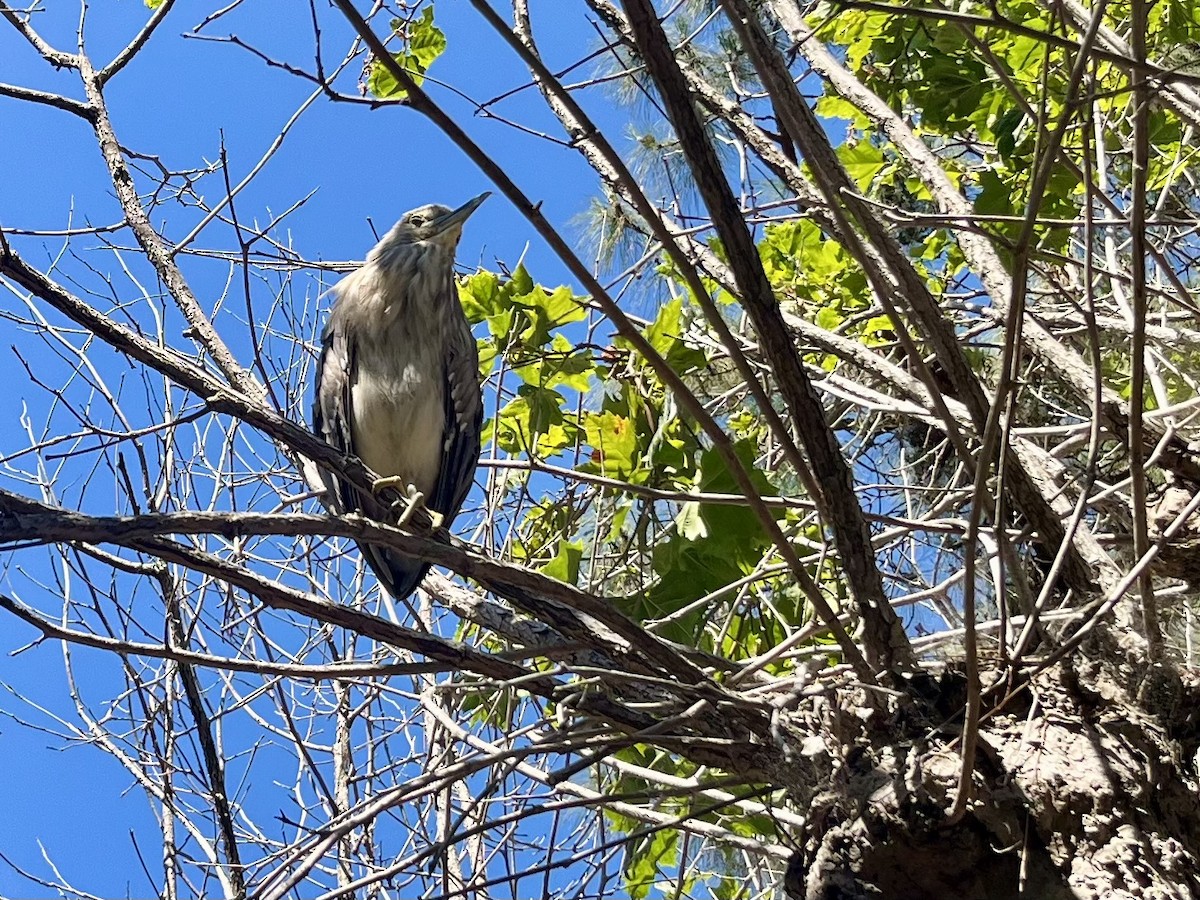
[{"x": 1080, "y": 792}]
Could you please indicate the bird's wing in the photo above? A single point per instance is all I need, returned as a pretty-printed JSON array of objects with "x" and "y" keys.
[
  {"x": 332, "y": 408},
  {"x": 333, "y": 420},
  {"x": 463, "y": 404}
]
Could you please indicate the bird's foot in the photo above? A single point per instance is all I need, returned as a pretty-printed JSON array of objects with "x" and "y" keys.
[
  {"x": 413, "y": 499},
  {"x": 398, "y": 482}
]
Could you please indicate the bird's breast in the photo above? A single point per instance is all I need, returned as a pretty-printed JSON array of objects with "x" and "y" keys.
[{"x": 399, "y": 416}]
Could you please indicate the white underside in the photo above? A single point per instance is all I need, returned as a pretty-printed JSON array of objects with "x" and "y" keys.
[{"x": 404, "y": 419}]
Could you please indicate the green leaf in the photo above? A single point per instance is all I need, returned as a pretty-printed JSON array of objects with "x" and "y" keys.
[
  {"x": 479, "y": 295},
  {"x": 521, "y": 281},
  {"x": 713, "y": 545},
  {"x": 545, "y": 407},
  {"x": 548, "y": 310},
  {"x": 879, "y": 326},
  {"x": 561, "y": 365},
  {"x": 829, "y": 318},
  {"x": 665, "y": 335},
  {"x": 487, "y": 356},
  {"x": 531, "y": 414},
  {"x": 383, "y": 84},
  {"x": 995, "y": 196},
  {"x": 795, "y": 251},
  {"x": 615, "y": 441},
  {"x": 423, "y": 42},
  {"x": 1005, "y": 131},
  {"x": 831, "y": 106},
  {"x": 565, "y": 564},
  {"x": 863, "y": 162},
  {"x": 644, "y": 860}
]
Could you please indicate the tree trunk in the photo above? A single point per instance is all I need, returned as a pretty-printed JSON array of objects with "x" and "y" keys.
[{"x": 1078, "y": 792}]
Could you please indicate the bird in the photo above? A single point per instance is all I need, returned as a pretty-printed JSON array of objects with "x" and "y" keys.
[{"x": 397, "y": 383}]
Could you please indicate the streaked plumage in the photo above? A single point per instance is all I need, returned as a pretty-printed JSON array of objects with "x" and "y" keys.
[{"x": 398, "y": 378}]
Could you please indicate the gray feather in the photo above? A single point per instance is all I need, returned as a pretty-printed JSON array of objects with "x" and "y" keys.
[{"x": 398, "y": 379}]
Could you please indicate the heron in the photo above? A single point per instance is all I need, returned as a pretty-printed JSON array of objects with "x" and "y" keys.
[{"x": 398, "y": 383}]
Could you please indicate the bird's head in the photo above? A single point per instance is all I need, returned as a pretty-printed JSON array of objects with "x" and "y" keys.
[{"x": 434, "y": 223}]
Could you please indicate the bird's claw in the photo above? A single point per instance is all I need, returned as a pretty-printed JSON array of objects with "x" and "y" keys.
[
  {"x": 413, "y": 499},
  {"x": 416, "y": 500},
  {"x": 399, "y": 482}
]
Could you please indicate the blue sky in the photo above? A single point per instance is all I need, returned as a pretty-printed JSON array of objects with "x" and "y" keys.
[
  {"x": 177, "y": 101},
  {"x": 180, "y": 99},
  {"x": 181, "y": 94}
]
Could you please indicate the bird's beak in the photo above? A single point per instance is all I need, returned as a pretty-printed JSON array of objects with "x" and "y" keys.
[{"x": 460, "y": 215}]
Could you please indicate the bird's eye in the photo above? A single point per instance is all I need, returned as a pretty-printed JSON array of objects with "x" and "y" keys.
[{"x": 417, "y": 221}]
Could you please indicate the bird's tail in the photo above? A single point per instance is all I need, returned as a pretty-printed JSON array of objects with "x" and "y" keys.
[{"x": 398, "y": 574}]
